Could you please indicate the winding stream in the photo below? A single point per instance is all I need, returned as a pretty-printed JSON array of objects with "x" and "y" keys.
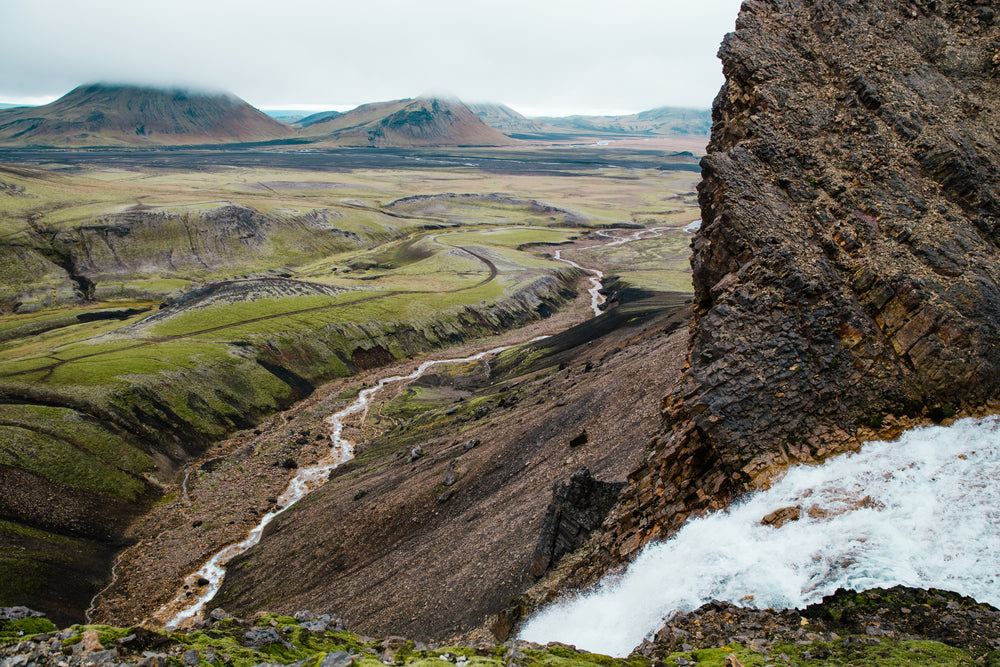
[
  {"x": 596, "y": 298},
  {"x": 182, "y": 608},
  {"x": 185, "y": 607}
]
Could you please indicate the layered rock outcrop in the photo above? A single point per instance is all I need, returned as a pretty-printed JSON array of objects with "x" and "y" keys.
[{"x": 847, "y": 271}]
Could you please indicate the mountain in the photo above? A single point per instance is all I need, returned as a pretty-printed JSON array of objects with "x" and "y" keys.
[
  {"x": 659, "y": 121},
  {"x": 116, "y": 115},
  {"x": 501, "y": 117},
  {"x": 287, "y": 116},
  {"x": 320, "y": 117},
  {"x": 407, "y": 123}
]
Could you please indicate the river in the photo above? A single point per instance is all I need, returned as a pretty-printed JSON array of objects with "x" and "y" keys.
[{"x": 187, "y": 607}]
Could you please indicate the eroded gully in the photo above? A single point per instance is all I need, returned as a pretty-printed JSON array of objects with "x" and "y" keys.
[{"x": 186, "y": 607}]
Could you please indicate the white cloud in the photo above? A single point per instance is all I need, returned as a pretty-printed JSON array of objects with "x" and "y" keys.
[{"x": 574, "y": 55}]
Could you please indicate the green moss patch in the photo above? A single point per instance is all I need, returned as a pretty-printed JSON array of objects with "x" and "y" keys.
[
  {"x": 21, "y": 629},
  {"x": 886, "y": 653}
]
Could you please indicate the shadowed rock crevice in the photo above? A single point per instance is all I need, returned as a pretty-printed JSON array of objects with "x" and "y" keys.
[{"x": 577, "y": 508}]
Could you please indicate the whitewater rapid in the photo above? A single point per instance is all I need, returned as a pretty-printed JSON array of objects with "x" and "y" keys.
[{"x": 923, "y": 511}]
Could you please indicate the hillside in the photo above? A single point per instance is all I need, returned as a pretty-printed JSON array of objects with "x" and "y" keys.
[
  {"x": 121, "y": 115},
  {"x": 407, "y": 123},
  {"x": 501, "y": 117},
  {"x": 321, "y": 117}
]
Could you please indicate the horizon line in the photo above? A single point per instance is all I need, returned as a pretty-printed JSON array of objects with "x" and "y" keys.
[{"x": 530, "y": 111}]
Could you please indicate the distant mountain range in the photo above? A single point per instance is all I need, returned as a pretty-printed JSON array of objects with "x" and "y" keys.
[
  {"x": 662, "y": 121},
  {"x": 121, "y": 115},
  {"x": 667, "y": 121}
]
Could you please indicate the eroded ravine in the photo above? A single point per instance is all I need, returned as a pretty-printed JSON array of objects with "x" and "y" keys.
[{"x": 202, "y": 585}]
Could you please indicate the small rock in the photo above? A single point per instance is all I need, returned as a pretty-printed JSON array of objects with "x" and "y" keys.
[
  {"x": 156, "y": 660},
  {"x": 450, "y": 478},
  {"x": 470, "y": 444},
  {"x": 191, "y": 657},
  {"x": 258, "y": 637},
  {"x": 304, "y": 615},
  {"x": 732, "y": 661},
  {"x": 219, "y": 614},
  {"x": 514, "y": 655},
  {"x": 446, "y": 496},
  {"x": 202, "y": 581},
  {"x": 18, "y": 613},
  {"x": 415, "y": 454},
  {"x": 780, "y": 517},
  {"x": 101, "y": 657},
  {"x": 91, "y": 642},
  {"x": 580, "y": 439},
  {"x": 337, "y": 659},
  {"x": 318, "y": 625},
  {"x": 360, "y": 493}
]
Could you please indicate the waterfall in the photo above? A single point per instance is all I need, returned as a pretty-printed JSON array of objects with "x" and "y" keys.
[{"x": 923, "y": 511}]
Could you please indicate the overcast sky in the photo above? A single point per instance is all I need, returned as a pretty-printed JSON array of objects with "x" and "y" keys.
[{"x": 538, "y": 56}]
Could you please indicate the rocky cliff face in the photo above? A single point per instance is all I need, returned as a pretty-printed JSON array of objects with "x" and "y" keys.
[{"x": 847, "y": 272}]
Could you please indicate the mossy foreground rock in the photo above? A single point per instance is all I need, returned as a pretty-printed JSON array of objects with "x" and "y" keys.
[
  {"x": 269, "y": 639},
  {"x": 897, "y": 626}
]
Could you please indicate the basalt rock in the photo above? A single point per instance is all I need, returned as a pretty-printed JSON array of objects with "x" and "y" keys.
[
  {"x": 577, "y": 508},
  {"x": 847, "y": 617},
  {"x": 847, "y": 269}
]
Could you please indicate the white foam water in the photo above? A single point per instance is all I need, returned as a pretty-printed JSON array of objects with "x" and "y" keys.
[{"x": 923, "y": 511}]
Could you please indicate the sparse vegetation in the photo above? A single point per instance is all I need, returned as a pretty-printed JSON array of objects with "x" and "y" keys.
[{"x": 261, "y": 282}]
